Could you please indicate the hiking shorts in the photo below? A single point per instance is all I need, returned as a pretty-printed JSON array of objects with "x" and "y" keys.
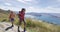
[
  {"x": 22, "y": 20},
  {"x": 12, "y": 19}
]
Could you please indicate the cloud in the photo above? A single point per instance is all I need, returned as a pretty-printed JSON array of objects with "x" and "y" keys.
[
  {"x": 53, "y": 3},
  {"x": 25, "y": 0},
  {"x": 28, "y": 1},
  {"x": 43, "y": 10},
  {"x": 32, "y": 9},
  {"x": 52, "y": 10},
  {"x": 10, "y": 8},
  {"x": 21, "y": 1},
  {"x": 48, "y": 6},
  {"x": 58, "y": 0},
  {"x": 8, "y": 4}
]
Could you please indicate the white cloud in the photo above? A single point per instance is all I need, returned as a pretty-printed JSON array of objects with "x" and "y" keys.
[
  {"x": 51, "y": 10},
  {"x": 43, "y": 10},
  {"x": 58, "y": 0},
  {"x": 28, "y": 1},
  {"x": 8, "y": 4},
  {"x": 10, "y": 8},
  {"x": 25, "y": 0},
  {"x": 34, "y": 9},
  {"x": 22, "y": 1}
]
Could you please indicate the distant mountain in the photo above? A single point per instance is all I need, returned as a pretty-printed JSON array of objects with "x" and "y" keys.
[
  {"x": 40, "y": 14},
  {"x": 4, "y": 11},
  {"x": 55, "y": 14},
  {"x": 33, "y": 13},
  {"x": 48, "y": 17}
]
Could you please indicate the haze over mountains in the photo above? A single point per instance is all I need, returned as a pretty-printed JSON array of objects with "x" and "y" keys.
[
  {"x": 33, "y": 13},
  {"x": 40, "y": 14},
  {"x": 50, "y": 17},
  {"x": 42, "y": 26}
]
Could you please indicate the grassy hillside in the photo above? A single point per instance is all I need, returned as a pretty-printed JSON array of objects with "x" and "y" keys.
[{"x": 32, "y": 24}]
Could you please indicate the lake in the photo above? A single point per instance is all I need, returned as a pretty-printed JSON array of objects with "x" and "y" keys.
[{"x": 47, "y": 18}]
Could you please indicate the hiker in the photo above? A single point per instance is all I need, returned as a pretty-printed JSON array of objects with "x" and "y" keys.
[
  {"x": 21, "y": 18},
  {"x": 11, "y": 19}
]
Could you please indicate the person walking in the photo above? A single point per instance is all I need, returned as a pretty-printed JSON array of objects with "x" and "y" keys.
[
  {"x": 21, "y": 19},
  {"x": 11, "y": 19}
]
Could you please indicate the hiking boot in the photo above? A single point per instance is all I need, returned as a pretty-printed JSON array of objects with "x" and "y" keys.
[
  {"x": 6, "y": 29},
  {"x": 18, "y": 31},
  {"x": 12, "y": 26},
  {"x": 24, "y": 29}
]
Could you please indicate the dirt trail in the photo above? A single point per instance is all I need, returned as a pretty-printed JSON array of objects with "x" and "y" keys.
[{"x": 4, "y": 25}]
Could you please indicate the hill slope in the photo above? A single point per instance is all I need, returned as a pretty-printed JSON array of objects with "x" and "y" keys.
[{"x": 32, "y": 25}]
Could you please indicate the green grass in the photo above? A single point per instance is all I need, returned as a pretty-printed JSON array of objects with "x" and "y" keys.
[
  {"x": 33, "y": 25},
  {"x": 41, "y": 26}
]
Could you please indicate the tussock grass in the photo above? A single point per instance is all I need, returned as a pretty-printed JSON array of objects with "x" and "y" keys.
[{"x": 33, "y": 25}]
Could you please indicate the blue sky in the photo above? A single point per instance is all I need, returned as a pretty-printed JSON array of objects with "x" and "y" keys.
[{"x": 38, "y": 6}]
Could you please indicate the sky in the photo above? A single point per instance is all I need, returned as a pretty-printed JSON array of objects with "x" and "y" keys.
[{"x": 38, "y": 6}]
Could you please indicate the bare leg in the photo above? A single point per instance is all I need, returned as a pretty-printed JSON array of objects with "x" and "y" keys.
[
  {"x": 12, "y": 24},
  {"x": 24, "y": 25},
  {"x": 18, "y": 26},
  {"x": 18, "y": 29}
]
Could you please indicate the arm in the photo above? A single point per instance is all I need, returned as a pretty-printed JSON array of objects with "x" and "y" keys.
[{"x": 9, "y": 17}]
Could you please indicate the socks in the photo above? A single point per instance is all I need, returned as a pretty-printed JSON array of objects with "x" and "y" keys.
[{"x": 24, "y": 29}]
